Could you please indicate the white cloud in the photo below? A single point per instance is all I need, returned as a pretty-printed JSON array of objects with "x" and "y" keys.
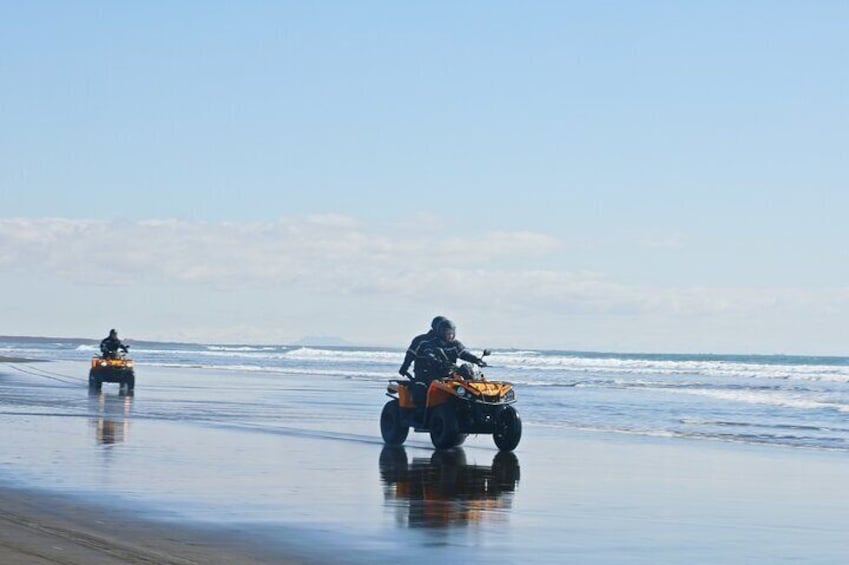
[
  {"x": 330, "y": 251},
  {"x": 340, "y": 260}
]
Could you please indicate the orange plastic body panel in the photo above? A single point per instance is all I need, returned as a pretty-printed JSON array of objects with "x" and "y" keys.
[
  {"x": 489, "y": 388},
  {"x": 439, "y": 392},
  {"x": 405, "y": 396},
  {"x": 99, "y": 362}
]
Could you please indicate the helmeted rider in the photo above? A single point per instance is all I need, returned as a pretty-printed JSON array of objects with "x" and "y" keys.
[
  {"x": 414, "y": 351},
  {"x": 438, "y": 355},
  {"x": 110, "y": 345}
]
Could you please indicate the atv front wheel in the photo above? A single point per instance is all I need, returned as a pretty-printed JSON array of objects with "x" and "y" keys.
[
  {"x": 393, "y": 430},
  {"x": 508, "y": 429},
  {"x": 444, "y": 430}
]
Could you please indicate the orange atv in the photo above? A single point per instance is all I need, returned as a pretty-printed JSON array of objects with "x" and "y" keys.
[
  {"x": 462, "y": 403},
  {"x": 112, "y": 369}
]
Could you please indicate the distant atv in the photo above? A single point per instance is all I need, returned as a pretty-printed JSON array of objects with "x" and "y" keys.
[
  {"x": 115, "y": 368},
  {"x": 462, "y": 403}
]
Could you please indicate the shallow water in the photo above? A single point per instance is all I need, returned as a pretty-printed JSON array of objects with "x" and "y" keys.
[
  {"x": 770, "y": 400},
  {"x": 289, "y": 450}
]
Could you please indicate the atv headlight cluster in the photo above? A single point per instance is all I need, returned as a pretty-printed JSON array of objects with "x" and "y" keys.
[
  {"x": 461, "y": 391},
  {"x": 511, "y": 395}
]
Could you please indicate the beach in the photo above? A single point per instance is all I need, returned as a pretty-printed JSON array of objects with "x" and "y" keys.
[
  {"x": 36, "y": 528},
  {"x": 255, "y": 466}
]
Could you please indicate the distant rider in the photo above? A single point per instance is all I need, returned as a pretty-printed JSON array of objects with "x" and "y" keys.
[
  {"x": 109, "y": 346},
  {"x": 437, "y": 356},
  {"x": 414, "y": 351}
]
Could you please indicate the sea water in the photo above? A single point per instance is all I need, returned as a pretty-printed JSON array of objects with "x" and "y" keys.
[{"x": 782, "y": 400}]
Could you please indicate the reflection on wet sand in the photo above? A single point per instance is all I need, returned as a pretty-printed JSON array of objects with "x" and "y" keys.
[
  {"x": 443, "y": 491},
  {"x": 113, "y": 417}
]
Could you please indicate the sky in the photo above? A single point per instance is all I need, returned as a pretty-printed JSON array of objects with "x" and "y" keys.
[{"x": 609, "y": 176}]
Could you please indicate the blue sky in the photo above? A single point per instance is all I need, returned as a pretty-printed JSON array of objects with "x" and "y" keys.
[{"x": 652, "y": 176}]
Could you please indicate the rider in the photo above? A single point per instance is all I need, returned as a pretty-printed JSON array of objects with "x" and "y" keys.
[
  {"x": 109, "y": 346},
  {"x": 438, "y": 354},
  {"x": 413, "y": 352}
]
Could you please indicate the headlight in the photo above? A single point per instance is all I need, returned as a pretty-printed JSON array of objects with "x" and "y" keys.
[
  {"x": 103, "y": 363},
  {"x": 511, "y": 395},
  {"x": 461, "y": 391}
]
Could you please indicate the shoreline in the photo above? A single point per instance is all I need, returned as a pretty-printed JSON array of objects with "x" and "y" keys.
[
  {"x": 207, "y": 466},
  {"x": 37, "y": 527},
  {"x": 4, "y": 359}
]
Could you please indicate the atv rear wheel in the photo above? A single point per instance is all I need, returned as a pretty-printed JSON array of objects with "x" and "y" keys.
[
  {"x": 444, "y": 430},
  {"x": 393, "y": 430},
  {"x": 94, "y": 382},
  {"x": 508, "y": 429}
]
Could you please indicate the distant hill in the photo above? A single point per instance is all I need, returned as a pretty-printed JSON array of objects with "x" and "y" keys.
[
  {"x": 317, "y": 341},
  {"x": 323, "y": 341}
]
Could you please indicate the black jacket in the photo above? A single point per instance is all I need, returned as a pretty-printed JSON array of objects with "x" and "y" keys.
[
  {"x": 437, "y": 355},
  {"x": 414, "y": 351},
  {"x": 110, "y": 345}
]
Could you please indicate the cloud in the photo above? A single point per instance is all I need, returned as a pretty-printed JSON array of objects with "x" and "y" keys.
[
  {"x": 340, "y": 256},
  {"x": 333, "y": 251}
]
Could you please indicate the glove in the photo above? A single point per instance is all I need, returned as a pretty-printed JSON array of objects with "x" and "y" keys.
[
  {"x": 481, "y": 363},
  {"x": 402, "y": 371}
]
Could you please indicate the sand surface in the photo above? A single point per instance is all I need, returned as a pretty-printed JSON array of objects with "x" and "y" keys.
[
  {"x": 202, "y": 467},
  {"x": 37, "y": 528}
]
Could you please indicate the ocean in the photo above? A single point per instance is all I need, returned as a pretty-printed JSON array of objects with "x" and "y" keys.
[{"x": 793, "y": 401}]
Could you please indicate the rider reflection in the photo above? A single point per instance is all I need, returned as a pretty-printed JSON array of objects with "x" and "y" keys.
[{"x": 444, "y": 491}]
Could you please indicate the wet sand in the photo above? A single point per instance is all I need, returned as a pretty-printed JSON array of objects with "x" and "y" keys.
[
  {"x": 16, "y": 360},
  {"x": 583, "y": 498},
  {"x": 37, "y": 528},
  {"x": 201, "y": 468}
]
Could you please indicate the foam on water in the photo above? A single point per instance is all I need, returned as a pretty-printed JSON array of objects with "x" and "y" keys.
[{"x": 647, "y": 394}]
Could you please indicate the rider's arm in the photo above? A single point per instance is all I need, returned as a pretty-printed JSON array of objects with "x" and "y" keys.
[
  {"x": 412, "y": 353},
  {"x": 408, "y": 359},
  {"x": 466, "y": 355}
]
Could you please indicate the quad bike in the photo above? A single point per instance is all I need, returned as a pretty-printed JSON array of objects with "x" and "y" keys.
[
  {"x": 112, "y": 368},
  {"x": 461, "y": 403}
]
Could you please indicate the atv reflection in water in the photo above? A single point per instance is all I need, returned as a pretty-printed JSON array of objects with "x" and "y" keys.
[
  {"x": 111, "y": 417},
  {"x": 443, "y": 490}
]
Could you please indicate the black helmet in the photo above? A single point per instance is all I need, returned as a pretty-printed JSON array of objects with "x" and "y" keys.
[
  {"x": 446, "y": 330},
  {"x": 113, "y": 332},
  {"x": 434, "y": 324}
]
